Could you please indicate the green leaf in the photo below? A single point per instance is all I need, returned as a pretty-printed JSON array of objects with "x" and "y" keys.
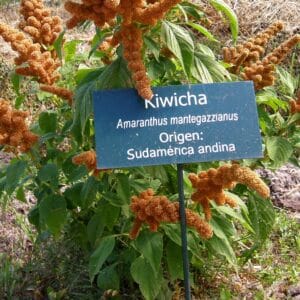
[
  {"x": 293, "y": 119},
  {"x": 192, "y": 10},
  {"x": 152, "y": 46},
  {"x": 19, "y": 100},
  {"x": 206, "y": 69},
  {"x": 262, "y": 216},
  {"x": 150, "y": 245},
  {"x": 34, "y": 217},
  {"x": 222, "y": 247},
  {"x": 180, "y": 42},
  {"x": 115, "y": 75},
  {"x": 203, "y": 30},
  {"x": 173, "y": 232},
  {"x": 53, "y": 212},
  {"x": 16, "y": 81},
  {"x": 20, "y": 194},
  {"x": 113, "y": 199},
  {"x": 156, "y": 69},
  {"x": 279, "y": 150},
  {"x": 58, "y": 44},
  {"x": 72, "y": 171},
  {"x": 108, "y": 278},
  {"x": 100, "y": 255},
  {"x": 123, "y": 188},
  {"x": 73, "y": 195},
  {"x": 48, "y": 121},
  {"x": 227, "y": 210},
  {"x": 109, "y": 213},
  {"x": 14, "y": 173},
  {"x": 222, "y": 227},
  {"x": 95, "y": 229},
  {"x": 174, "y": 260},
  {"x": 70, "y": 49},
  {"x": 149, "y": 281},
  {"x": 89, "y": 192},
  {"x": 220, "y": 5},
  {"x": 49, "y": 175}
]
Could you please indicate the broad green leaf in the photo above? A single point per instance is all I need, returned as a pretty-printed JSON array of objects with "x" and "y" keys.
[
  {"x": 86, "y": 75},
  {"x": 14, "y": 173},
  {"x": 34, "y": 217},
  {"x": 203, "y": 31},
  {"x": 222, "y": 247},
  {"x": 49, "y": 175},
  {"x": 231, "y": 212},
  {"x": 108, "y": 278},
  {"x": 173, "y": 232},
  {"x": 268, "y": 97},
  {"x": 149, "y": 281},
  {"x": 109, "y": 213},
  {"x": 288, "y": 82},
  {"x": 73, "y": 195},
  {"x": 48, "y": 121},
  {"x": 95, "y": 229},
  {"x": 279, "y": 150},
  {"x": 293, "y": 119},
  {"x": 73, "y": 172},
  {"x": 222, "y": 227},
  {"x": 16, "y": 81},
  {"x": 200, "y": 71},
  {"x": 220, "y": 5},
  {"x": 89, "y": 192},
  {"x": 113, "y": 199},
  {"x": 150, "y": 245},
  {"x": 152, "y": 46},
  {"x": 156, "y": 69},
  {"x": 174, "y": 260},
  {"x": 207, "y": 69},
  {"x": 20, "y": 194},
  {"x": 70, "y": 49},
  {"x": 19, "y": 100},
  {"x": 180, "y": 42},
  {"x": 99, "y": 256},
  {"x": 192, "y": 10},
  {"x": 53, "y": 212},
  {"x": 115, "y": 75},
  {"x": 123, "y": 188},
  {"x": 58, "y": 44},
  {"x": 262, "y": 216}
]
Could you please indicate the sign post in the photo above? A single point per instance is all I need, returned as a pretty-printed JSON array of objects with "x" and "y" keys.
[
  {"x": 183, "y": 231},
  {"x": 181, "y": 124}
]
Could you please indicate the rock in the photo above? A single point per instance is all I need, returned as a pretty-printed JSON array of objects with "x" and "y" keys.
[{"x": 285, "y": 186}]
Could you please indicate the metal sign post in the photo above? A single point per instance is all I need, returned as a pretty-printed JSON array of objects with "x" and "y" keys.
[{"x": 185, "y": 255}]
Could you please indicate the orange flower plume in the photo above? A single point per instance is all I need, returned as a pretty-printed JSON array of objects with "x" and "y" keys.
[
  {"x": 39, "y": 30},
  {"x": 133, "y": 13},
  {"x": 88, "y": 159},
  {"x": 14, "y": 131},
  {"x": 210, "y": 185},
  {"x": 153, "y": 210},
  {"x": 38, "y": 22},
  {"x": 40, "y": 64},
  {"x": 250, "y": 52},
  {"x": 59, "y": 91}
]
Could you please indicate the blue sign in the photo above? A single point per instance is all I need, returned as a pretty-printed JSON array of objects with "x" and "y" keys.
[{"x": 181, "y": 124}]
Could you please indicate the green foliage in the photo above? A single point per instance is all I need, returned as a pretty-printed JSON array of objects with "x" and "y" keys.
[
  {"x": 94, "y": 212},
  {"x": 229, "y": 13}
]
